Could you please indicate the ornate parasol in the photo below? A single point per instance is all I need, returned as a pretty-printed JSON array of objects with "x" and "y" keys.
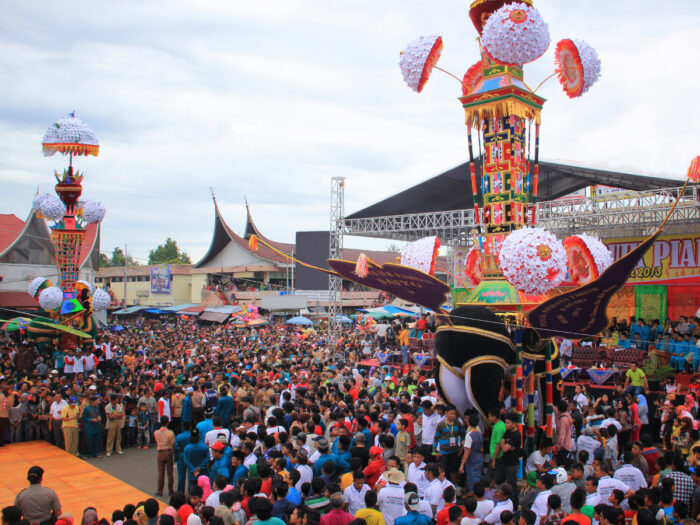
[
  {"x": 14, "y": 324},
  {"x": 419, "y": 59},
  {"x": 71, "y": 136}
]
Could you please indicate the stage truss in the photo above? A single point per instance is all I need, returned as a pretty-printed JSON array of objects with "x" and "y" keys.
[{"x": 624, "y": 213}]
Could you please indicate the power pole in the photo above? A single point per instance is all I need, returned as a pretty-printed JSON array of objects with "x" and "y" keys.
[
  {"x": 125, "y": 272},
  {"x": 335, "y": 251}
]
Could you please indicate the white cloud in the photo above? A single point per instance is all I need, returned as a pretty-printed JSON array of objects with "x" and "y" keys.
[{"x": 271, "y": 99}]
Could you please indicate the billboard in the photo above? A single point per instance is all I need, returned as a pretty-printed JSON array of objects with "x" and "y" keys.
[
  {"x": 672, "y": 259},
  {"x": 160, "y": 278},
  {"x": 312, "y": 248}
]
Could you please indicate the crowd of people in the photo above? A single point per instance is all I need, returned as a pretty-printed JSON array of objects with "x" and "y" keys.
[{"x": 269, "y": 426}]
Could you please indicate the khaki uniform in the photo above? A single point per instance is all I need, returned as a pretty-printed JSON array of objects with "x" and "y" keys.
[
  {"x": 38, "y": 503},
  {"x": 114, "y": 427}
]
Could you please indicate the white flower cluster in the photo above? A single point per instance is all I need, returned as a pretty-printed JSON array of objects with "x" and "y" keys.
[
  {"x": 533, "y": 260},
  {"x": 52, "y": 208},
  {"x": 516, "y": 34},
  {"x": 38, "y": 199},
  {"x": 33, "y": 286},
  {"x": 70, "y": 130},
  {"x": 100, "y": 300},
  {"x": 413, "y": 60},
  {"x": 419, "y": 254},
  {"x": 51, "y": 298},
  {"x": 591, "y": 64},
  {"x": 93, "y": 211},
  {"x": 601, "y": 255}
]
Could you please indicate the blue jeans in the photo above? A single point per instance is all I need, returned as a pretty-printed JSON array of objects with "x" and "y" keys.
[
  {"x": 404, "y": 355},
  {"x": 473, "y": 473},
  {"x": 635, "y": 390}
]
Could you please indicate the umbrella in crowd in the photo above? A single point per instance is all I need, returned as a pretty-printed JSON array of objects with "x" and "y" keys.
[{"x": 300, "y": 319}]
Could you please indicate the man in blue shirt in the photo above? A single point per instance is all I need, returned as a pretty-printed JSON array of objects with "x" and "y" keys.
[
  {"x": 219, "y": 466},
  {"x": 186, "y": 414},
  {"x": 623, "y": 342},
  {"x": 413, "y": 517},
  {"x": 224, "y": 407},
  {"x": 196, "y": 456},
  {"x": 341, "y": 465},
  {"x": 240, "y": 472},
  {"x": 206, "y": 425},
  {"x": 181, "y": 441}
]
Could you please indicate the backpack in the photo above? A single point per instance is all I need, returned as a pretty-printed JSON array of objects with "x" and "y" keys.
[{"x": 210, "y": 399}]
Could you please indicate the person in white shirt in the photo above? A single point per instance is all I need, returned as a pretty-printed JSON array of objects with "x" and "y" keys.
[
  {"x": 390, "y": 499},
  {"x": 56, "y": 421},
  {"x": 545, "y": 482},
  {"x": 78, "y": 366},
  {"x": 503, "y": 502},
  {"x": 606, "y": 484},
  {"x": 588, "y": 442},
  {"x": 433, "y": 492},
  {"x": 580, "y": 399},
  {"x": 629, "y": 474},
  {"x": 483, "y": 506},
  {"x": 416, "y": 473},
  {"x": 611, "y": 421},
  {"x": 306, "y": 473},
  {"x": 538, "y": 461},
  {"x": 355, "y": 493},
  {"x": 429, "y": 422}
]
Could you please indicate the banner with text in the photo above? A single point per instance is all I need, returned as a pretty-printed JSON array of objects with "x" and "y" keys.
[{"x": 673, "y": 259}]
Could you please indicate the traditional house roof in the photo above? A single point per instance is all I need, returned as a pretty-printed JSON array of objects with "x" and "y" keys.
[
  {"x": 29, "y": 242},
  {"x": 223, "y": 235}
]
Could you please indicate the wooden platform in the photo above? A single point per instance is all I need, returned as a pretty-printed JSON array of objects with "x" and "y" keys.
[{"x": 77, "y": 483}]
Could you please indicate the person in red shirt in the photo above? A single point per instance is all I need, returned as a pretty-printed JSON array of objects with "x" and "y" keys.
[
  {"x": 376, "y": 466},
  {"x": 449, "y": 494},
  {"x": 337, "y": 516},
  {"x": 422, "y": 323}
]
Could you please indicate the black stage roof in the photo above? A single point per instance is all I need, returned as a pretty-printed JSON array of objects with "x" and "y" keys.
[{"x": 452, "y": 190}]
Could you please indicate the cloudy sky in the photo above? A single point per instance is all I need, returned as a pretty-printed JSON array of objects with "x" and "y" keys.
[{"x": 271, "y": 99}]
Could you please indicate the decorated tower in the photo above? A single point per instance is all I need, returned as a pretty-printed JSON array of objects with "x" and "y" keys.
[{"x": 71, "y": 302}]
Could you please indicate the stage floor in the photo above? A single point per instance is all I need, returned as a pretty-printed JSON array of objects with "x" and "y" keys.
[{"x": 77, "y": 483}]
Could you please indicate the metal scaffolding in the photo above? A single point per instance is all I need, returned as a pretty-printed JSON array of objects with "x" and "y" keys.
[
  {"x": 335, "y": 251},
  {"x": 623, "y": 213}
]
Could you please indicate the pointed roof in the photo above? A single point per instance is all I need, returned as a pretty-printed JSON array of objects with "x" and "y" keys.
[
  {"x": 38, "y": 246},
  {"x": 252, "y": 229},
  {"x": 223, "y": 234}
]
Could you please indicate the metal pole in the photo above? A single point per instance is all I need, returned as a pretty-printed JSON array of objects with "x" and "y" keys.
[{"x": 125, "y": 272}]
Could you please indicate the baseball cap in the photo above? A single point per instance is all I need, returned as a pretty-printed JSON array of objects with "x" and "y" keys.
[
  {"x": 322, "y": 443},
  {"x": 532, "y": 478},
  {"x": 72, "y": 399},
  {"x": 35, "y": 473},
  {"x": 93, "y": 387},
  {"x": 373, "y": 451},
  {"x": 301, "y": 436},
  {"x": 218, "y": 445},
  {"x": 412, "y": 501},
  {"x": 208, "y": 411}
]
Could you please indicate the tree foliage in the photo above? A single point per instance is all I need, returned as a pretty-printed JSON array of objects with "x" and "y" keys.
[
  {"x": 168, "y": 253},
  {"x": 117, "y": 259}
]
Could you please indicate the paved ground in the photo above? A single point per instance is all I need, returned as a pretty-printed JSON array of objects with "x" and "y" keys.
[{"x": 135, "y": 467}]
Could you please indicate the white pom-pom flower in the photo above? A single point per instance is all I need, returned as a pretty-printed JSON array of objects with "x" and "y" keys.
[
  {"x": 418, "y": 59},
  {"x": 515, "y": 34},
  {"x": 51, "y": 298},
  {"x": 70, "y": 135},
  {"x": 93, "y": 211},
  {"x": 602, "y": 256},
  {"x": 38, "y": 199},
  {"x": 33, "y": 287},
  {"x": 100, "y": 300},
  {"x": 591, "y": 64},
  {"x": 533, "y": 260},
  {"x": 587, "y": 258},
  {"x": 52, "y": 208}
]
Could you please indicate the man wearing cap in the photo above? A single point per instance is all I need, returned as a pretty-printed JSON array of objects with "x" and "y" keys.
[
  {"x": 219, "y": 465},
  {"x": 503, "y": 502},
  {"x": 391, "y": 498},
  {"x": 341, "y": 465},
  {"x": 412, "y": 517},
  {"x": 38, "y": 504},
  {"x": 69, "y": 424},
  {"x": 92, "y": 427}
]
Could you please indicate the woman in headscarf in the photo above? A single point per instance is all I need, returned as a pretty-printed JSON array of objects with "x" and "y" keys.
[
  {"x": 203, "y": 481},
  {"x": 643, "y": 409}
]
